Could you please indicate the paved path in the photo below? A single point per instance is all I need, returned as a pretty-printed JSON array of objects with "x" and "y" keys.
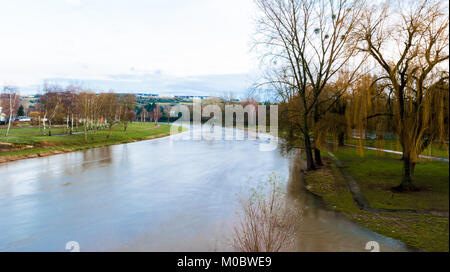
[{"x": 399, "y": 152}]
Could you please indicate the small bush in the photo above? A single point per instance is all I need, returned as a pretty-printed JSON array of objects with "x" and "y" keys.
[{"x": 266, "y": 221}]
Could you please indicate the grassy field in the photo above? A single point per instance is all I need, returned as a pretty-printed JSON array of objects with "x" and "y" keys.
[
  {"x": 28, "y": 142},
  {"x": 376, "y": 175},
  {"x": 435, "y": 149}
]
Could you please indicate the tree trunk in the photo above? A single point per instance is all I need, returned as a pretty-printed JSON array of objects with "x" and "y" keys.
[
  {"x": 85, "y": 131},
  {"x": 341, "y": 138},
  {"x": 49, "y": 127},
  {"x": 43, "y": 123},
  {"x": 309, "y": 157},
  {"x": 10, "y": 115},
  {"x": 95, "y": 124},
  {"x": 291, "y": 133},
  {"x": 9, "y": 123},
  {"x": 109, "y": 132},
  {"x": 317, "y": 157},
  {"x": 407, "y": 177}
]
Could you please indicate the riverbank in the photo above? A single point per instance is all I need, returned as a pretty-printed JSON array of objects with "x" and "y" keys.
[
  {"x": 27, "y": 142},
  {"x": 376, "y": 174}
]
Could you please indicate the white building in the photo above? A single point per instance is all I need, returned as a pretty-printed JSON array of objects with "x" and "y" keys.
[{"x": 166, "y": 96}]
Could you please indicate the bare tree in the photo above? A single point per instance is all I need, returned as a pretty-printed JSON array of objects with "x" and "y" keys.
[
  {"x": 127, "y": 104},
  {"x": 409, "y": 42},
  {"x": 307, "y": 42},
  {"x": 69, "y": 100},
  {"x": 157, "y": 113},
  {"x": 143, "y": 114},
  {"x": 110, "y": 109},
  {"x": 85, "y": 103},
  {"x": 331, "y": 110},
  {"x": 266, "y": 221},
  {"x": 9, "y": 102},
  {"x": 97, "y": 114},
  {"x": 51, "y": 102}
]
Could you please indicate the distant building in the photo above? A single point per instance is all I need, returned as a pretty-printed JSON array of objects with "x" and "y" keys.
[
  {"x": 165, "y": 96},
  {"x": 23, "y": 119},
  {"x": 146, "y": 95},
  {"x": 192, "y": 96}
]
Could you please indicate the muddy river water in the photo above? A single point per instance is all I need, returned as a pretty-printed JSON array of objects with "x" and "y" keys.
[{"x": 160, "y": 195}]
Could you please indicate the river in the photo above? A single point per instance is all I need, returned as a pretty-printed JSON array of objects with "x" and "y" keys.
[{"x": 159, "y": 195}]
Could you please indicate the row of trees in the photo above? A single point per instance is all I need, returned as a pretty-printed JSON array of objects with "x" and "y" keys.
[
  {"x": 73, "y": 107},
  {"x": 350, "y": 64},
  {"x": 150, "y": 112}
]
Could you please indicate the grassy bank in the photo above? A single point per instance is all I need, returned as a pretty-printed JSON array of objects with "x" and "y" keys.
[
  {"x": 27, "y": 142},
  {"x": 376, "y": 175}
]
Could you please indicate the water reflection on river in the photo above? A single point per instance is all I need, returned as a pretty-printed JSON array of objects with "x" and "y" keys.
[{"x": 159, "y": 195}]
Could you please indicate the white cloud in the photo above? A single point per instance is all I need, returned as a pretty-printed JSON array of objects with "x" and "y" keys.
[
  {"x": 161, "y": 83},
  {"x": 49, "y": 39},
  {"x": 73, "y": 2}
]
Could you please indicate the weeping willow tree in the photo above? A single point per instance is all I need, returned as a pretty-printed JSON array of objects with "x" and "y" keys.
[
  {"x": 409, "y": 43},
  {"x": 369, "y": 109},
  {"x": 330, "y": 111},
  {"x": 336, "y": 123}
]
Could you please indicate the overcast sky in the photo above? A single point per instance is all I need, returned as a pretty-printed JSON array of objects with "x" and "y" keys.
[{"x": 202, "y": 46}]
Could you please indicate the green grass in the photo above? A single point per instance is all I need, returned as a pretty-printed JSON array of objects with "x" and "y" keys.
[
  {"x": 435, "y": 149},
  {"x": 376, "y": 174},
  {"x": 22, "y": 137},
  {"x": 326, "y": 183},
  {"x": 29, "y": 135},
  {"x": 421, "y": 231}
]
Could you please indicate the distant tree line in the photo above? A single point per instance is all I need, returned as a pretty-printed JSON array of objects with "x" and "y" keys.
[{"x": 74, "y": 107}]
